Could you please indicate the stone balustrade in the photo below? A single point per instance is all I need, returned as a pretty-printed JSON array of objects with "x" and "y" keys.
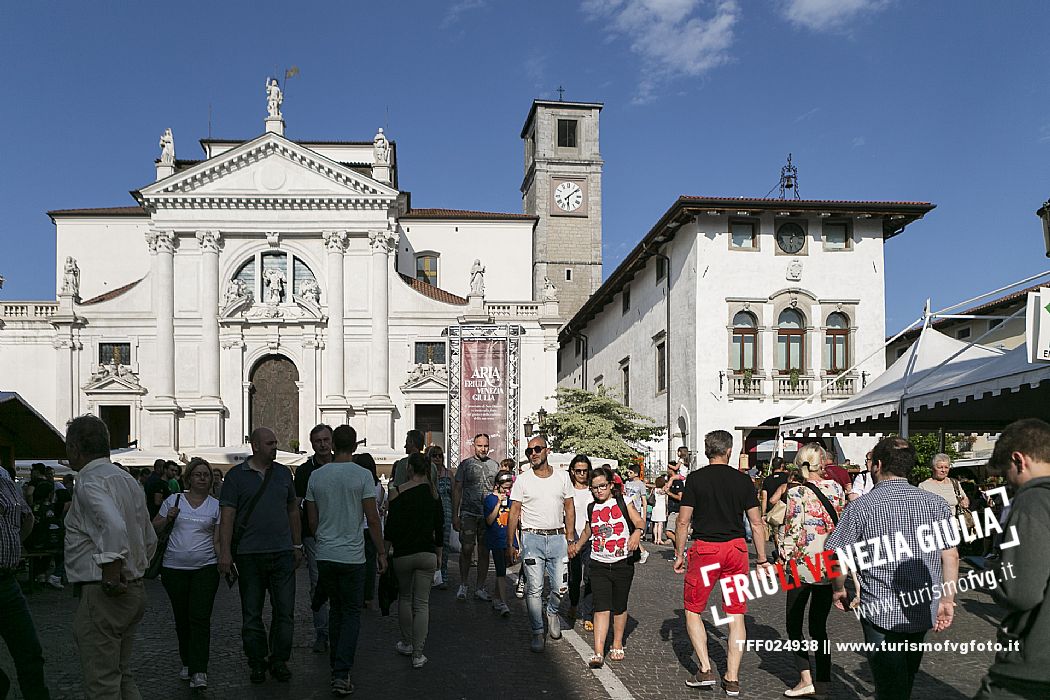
[
  {"x": 525, "y": 310},
  {"x": 28, "y": 310}
]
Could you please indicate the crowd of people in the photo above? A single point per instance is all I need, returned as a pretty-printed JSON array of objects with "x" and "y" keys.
[{"x": 574, "y": 533}]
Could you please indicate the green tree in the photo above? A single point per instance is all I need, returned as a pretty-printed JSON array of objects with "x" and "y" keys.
[
  {"x": 598, "y": 425},
  {"x": 926, "y": 446}
]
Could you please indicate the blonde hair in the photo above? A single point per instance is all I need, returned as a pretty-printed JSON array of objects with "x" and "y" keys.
[{"x": 810, "y": 459}]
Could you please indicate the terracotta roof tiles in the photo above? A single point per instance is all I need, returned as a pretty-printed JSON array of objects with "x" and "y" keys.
[
  {"x": 100, "y": 211},
  {"x": 435, "y": 293},
  {"x": 465, "y": 214},
  {"x": 111, "y": 294}
]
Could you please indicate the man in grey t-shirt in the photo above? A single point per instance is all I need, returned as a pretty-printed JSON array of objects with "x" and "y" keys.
[{"x": 474, "y": 480}]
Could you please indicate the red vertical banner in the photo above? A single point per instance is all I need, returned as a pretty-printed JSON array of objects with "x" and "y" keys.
[{"x": 483, "y": 396}]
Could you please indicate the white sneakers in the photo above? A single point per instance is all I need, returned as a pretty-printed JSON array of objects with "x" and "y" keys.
[
  {"x": 419, "y": 661},
  {"x": 55, "y": 582},
  {"x": 438, "y": 579},
  {"x": 482, "y": 594},
  {"x": 643, "y": 556},
  {"x": 500, "y": 607},
  {"x": 461, "y": 594},
  {"x": 199, "y": 680},
  {"x": 404, "y": 649}
]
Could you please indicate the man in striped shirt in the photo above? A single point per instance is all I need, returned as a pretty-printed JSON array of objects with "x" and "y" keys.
[{"x": 909, "y": 589}]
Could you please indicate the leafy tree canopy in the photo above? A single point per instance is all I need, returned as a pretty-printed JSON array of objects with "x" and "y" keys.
[
  {"x": 926, "y": 446},
  {"x": 598, "y": 425}
]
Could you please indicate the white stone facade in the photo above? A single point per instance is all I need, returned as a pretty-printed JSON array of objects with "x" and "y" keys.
[
  {"x": 711, "y": 281},
  {"x": 270, "y": 248}
]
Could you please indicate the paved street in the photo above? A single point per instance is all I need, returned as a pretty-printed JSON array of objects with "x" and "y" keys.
[{"x": 474, "y": 654}]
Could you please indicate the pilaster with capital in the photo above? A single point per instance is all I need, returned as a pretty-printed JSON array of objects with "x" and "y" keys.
[
  {"x": 162, "y": 249},
  {"x": 209, "y": 242},
  {"x": 379, "y": 408},
  {"x": 335, "y": 243}
]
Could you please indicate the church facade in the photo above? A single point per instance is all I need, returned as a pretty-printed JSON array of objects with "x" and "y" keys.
[{"x": 284, "y": 283}]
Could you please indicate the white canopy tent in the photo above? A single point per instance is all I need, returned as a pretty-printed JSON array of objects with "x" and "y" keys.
[
  {"x": 934, "y": 357},
  {"x": 229, "y": 456}
]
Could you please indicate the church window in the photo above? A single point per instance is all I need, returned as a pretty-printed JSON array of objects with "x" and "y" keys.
[
  {"x": 625, "y": 381},
  {"x": 661, "y": 268},
  {"x": 568, "y": 274},
  {"x": 427, "y": 269},
  {"x": 566, "y": 133},
  {"x": 291, "y": 269},
  {"x": 791, "y": 335},
  {"x": 744, "y": 354},
  {"x": 625, "y": 300},
  {"x": 430, "y": 352},
  {"x": 836, "y": 343},
  {"x": 661, "y": 365},
  {"x": 114, "y": 353}
]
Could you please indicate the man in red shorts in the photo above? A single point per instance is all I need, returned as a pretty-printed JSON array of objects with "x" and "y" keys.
[{"x": 715, "y": 501}]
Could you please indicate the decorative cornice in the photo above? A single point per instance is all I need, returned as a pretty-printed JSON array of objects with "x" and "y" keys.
[
  {"x": 336, "y": 241},
  {"x": 160, "y": 241},
  {"x": 209, "y": 241}
]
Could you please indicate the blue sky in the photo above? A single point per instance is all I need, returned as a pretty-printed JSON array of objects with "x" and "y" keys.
[{"x": 947, "y": 102}]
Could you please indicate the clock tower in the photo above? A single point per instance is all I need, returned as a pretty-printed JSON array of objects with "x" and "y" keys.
[{"x": 563, "y": 187}]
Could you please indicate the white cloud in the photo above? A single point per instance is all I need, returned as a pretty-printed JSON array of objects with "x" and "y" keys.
[
  {"x": 536, "y": 70},
  {"x": 458, "y": 9},
  {"x": 1044, "y": 133},
  {"x": 674, "y": 38},
  {"x": 820, "y": 15},
  {"x": 807, "y": 115},
  {"x": 859, "y": 141}
]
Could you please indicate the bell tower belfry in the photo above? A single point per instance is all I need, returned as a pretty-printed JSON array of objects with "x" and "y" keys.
[{"x": 563, "y": 187}]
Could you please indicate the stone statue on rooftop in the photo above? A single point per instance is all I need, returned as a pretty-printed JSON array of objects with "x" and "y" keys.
[
  {"x": 71, "y": 277},
  {"x": 550, "y": 292},
  {"x": 274, "y": 98},
  {"x": 477, "y": 279},
  {"x": 382, "y": 148},
  {"x": 167, "y": 148}
]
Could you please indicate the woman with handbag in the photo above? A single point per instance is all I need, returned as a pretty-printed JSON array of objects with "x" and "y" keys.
[
  {"x": 189, "y": 569},
  {"x": 415, "y": 532},
  {"x": 812, "y": 512}
]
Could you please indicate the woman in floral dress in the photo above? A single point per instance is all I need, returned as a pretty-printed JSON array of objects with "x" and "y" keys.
[{"x": 807, "y": 524}]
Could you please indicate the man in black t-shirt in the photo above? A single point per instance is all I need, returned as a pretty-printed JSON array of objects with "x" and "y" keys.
[
  {"x": 675, "y": 486},
  {"x": 715, "y": 502},
  {"x": 157, "y": 488},
  {"x": 774, "y": 481}
]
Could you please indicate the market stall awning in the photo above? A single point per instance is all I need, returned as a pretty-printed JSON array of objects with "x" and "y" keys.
[
  {"x": 28, "y": 433},
  {"x": 934, "y": 356}
]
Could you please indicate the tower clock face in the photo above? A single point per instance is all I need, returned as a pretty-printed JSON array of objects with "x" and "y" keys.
[
  {"x": 791, "y": 238},
  {"x": 568, "y": 196}
]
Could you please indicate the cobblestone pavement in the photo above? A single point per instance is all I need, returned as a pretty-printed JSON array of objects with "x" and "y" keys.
[{"x": 469, "y": 647}]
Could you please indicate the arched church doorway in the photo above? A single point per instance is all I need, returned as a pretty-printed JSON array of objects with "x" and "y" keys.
[{"x": 274, "y": 399}]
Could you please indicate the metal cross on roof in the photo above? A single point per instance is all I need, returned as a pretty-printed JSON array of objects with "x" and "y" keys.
[{"x": 561, "y": 93}]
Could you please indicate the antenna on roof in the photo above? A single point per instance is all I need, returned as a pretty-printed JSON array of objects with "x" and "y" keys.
[{"x": 788, "y": 181}]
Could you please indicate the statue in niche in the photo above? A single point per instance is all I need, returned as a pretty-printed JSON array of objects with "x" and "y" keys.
[
  {"x": 167, "y": 148},
  {"x": 71, "y": 277},
  {"x": 550, "y": 292},
  {"x": 235, "y": 289},
  {"x": 274, "y": 280},
  {"x": 274, "y": 98},
  {"x": 382, "y": 148},
  {"x": 477, "y": 279},
  {"x": 310, "y": 291}
]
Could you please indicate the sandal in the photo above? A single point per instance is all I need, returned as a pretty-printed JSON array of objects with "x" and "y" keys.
[
  {"x": 596, "y": 661},
  {"x": 588, "y": 625},
  {"x": 616, "y": 654}
]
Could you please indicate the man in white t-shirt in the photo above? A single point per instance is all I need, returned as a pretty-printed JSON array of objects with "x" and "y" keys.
[
  {"x": 542, "y": 503},
  {"x": 863, "y": 481}
]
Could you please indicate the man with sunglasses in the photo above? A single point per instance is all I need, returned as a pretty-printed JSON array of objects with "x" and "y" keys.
[{"x": 542, "y": 503}]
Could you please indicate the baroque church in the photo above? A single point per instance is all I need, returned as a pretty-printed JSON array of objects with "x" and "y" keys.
[{"x": 282, "y": 283}]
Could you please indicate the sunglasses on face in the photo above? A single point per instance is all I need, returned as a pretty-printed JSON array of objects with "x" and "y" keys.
[
  {"x": 534, "y": 450},
  {"x": 599, "y": 487},
  {"x": 580, "y": 471}
]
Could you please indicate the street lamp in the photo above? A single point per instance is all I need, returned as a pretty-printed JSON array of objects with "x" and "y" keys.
[
  {"x": 528, "y": 427},
  {"x": 542, "y": 416},
  {"x": 1044, "y": 214}
]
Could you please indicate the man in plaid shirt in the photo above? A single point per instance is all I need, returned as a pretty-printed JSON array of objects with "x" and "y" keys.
[{"x": 897, "y": 600}]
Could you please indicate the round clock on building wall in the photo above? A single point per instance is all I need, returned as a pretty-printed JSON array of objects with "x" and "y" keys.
[
  {"x": 568, "y": 196},
  {"x": 791, "y": 237}
]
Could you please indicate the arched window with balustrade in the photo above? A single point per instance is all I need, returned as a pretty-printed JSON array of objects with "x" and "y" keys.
[
  {"x": 791, "y": 341},
  {"x": 744, "y": 352},
  {"x": 836, "y": 343}
]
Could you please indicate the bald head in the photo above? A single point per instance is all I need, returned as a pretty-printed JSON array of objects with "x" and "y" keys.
[
  {"x": 264, "y": 446},
  {"x": 537, "y": 452}
]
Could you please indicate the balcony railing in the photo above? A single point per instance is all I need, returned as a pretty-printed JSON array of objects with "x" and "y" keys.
[
  {"x": 743, "y": 386},
  {"x": 28, "y": 310},
  {"x": 784, "y": 385},
  {"x": 844, "y": 386},
  {"x": 528, "y": 310}
]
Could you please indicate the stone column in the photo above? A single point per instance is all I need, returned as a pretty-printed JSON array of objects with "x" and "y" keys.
[
  {"x": 163, "y": 429},
  {"x": 383, "y": 243},
  {"x": 209, "y": 244},
  {"x": 334, "y": 379},
  {"x": 379, "y": 409},
  {"x": 162, "y": 248}
]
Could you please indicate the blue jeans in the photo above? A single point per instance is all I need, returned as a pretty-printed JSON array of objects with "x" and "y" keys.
[
  {"x": 542, "y": 554},
  {"x": 261, "y": 573},
  {"x": 345, "y": 586},
  {"x": 320, "y": 616},
  {"x": 894, "y": 671},
  {"x": 16, "y": 627}
]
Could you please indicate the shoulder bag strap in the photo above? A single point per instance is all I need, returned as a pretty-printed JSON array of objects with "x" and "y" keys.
[
  {"x": 955, "y": 486},
  {"x": 626, "y": 515},
  {"x": 824, "y": 502},
  {"x": 255, "y": 497}
]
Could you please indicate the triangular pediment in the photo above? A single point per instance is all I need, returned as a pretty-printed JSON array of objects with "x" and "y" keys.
[
  {"x": 268, "y": 169},
  {"x": 110, "y": 379},
  {"x": 426, "y": 377}
]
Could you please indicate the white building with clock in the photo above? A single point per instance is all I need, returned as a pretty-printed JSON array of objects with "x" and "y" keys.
[
  {"x": 731, "y": 312},
  {"x": 285, "y": 282}
]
